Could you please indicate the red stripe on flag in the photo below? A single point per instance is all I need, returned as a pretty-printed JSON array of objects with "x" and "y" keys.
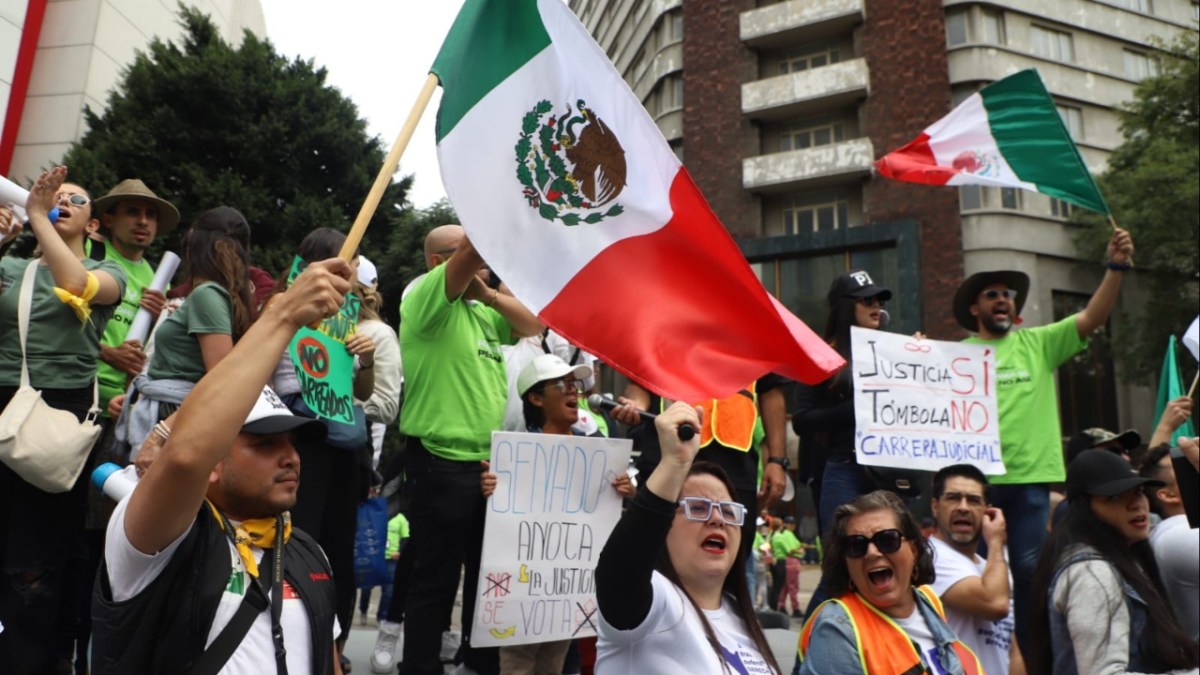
[
  {"x": 915, "y": 163},
  {"x": 680, "y": 311}
]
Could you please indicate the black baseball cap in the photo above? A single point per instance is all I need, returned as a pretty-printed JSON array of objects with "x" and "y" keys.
[
  {"x": 1104, "y": 474},
  {"x": 856, "y": 284}
]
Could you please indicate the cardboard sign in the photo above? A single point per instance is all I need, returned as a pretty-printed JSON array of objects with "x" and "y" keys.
[
  {"x": 553, "y": 509},
  {"x": 924, "y": 404},
  {"x": 323, "y": 366}
]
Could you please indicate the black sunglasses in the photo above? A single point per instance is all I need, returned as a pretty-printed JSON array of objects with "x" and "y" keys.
[{"x": 887, "y": 541}]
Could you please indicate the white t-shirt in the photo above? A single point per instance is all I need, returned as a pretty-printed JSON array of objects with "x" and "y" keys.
[
  {"x": 130, "y": 571},
  {"x": 1177, "y": 551},
  {"x": 919, "y": 632},
  {"x": 990, "y": 640},
  {"x": 671, "y": 640}
]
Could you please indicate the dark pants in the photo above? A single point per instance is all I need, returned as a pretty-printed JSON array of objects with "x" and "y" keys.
[
  {"x": 39, "y": 533},
  {"x": 402, "y": 573},
  {"x": 327, "y": 509},
  {"x": 447, "y": 534},
  {"x": 1026, "y": 510}
]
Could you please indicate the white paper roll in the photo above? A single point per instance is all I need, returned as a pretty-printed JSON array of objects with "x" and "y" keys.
[{"x": 162, "y": 276}]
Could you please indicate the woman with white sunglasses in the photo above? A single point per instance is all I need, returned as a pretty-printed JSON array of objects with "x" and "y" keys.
[{"x": 670, "y": 585}]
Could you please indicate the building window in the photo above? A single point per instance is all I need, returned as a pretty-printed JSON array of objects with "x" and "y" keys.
[
  {"x": 970, "y": 197},
  {"x": 1143, "y": 6},
  {"x": 1072, "y": 118},
  {"x": 1060, "y": 208},
  {"x": 816, "y": 212},
  {"x": 1051, "y": 44},
  {"x": 813, "y": 57},
  {"x": 956, "y": 27},
  {"x": 1010, "y": 198},
  {"x": 811, "y": 134},
  {"x": 670, "y": 96},
  {"x": 993, "y": 26},
  {"x": 1139, "y": 66},
  {"x": 1086, "y": 384},
  {"x": 672, "y": 28}
]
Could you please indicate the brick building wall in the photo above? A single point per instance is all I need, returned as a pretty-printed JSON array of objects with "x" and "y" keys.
[
  {"x": 717, "y": 135},
  {"x": 905, "y": 46}
]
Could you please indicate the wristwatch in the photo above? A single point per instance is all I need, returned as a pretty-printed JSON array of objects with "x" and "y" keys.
[{"x": 781, "y": 461}]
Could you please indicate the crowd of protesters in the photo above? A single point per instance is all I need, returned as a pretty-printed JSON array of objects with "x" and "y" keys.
[{"x": 223, "y": 560}]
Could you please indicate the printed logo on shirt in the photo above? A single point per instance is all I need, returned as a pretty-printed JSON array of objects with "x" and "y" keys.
[
  {"x": 237, "y": 583},
  {"x": 745, "y": 662},
  {"x": 935, "y": 663},
  {"x": 289, "y": 593}
]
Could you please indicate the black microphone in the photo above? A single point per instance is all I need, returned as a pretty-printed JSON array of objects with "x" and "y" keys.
[
  {"x": 884, "y": 318},
  {"x": 685, "y": 432}
]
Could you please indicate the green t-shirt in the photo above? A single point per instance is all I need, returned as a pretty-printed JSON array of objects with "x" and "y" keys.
[
  {"x": 138, "y": 276},
  {"x": 397, "y": 532},
  {"x": 177, "y": 354},
  {"x": 783, "y": 544},
  {"x": 455, "y": 386},
  {"x": 62, "y": 352},
  {"x": 1030, "y": 433}
]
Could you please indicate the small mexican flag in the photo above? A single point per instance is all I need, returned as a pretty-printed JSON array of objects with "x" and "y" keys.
[
  {"x": 568, "y": 190},
  {"x": 1008, "y": 134}
]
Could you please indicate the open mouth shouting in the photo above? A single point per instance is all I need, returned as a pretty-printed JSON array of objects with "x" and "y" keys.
[
  {"x": 714, "y": 543},
  {"x": 881, "y": 577}
]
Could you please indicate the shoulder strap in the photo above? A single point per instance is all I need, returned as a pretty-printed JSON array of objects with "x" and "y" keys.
[
  {"x": 254, "y": 603},
  {"x": 24, "y": 308}
]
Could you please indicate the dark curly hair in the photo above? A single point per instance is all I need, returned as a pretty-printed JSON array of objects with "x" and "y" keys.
[{"x": 834, "y": 569}]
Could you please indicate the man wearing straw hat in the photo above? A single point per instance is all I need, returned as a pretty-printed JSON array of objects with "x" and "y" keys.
[
  {"x": 133, "y": 217},
  {"x": 989, "y": 304}
]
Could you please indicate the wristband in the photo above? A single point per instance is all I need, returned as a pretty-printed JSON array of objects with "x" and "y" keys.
[
  {"x": 366, "y": 366},
  {"x": 1119, "y": 267}
]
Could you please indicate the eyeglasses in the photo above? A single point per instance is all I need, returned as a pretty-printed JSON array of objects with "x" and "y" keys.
[
  {"x": 956, "y": 497},
  {"x": 887, "y": 541},
  {"x": 565, "y": 386},
  {"x": 700, "y": 509},
  {"x": 75, "y": 199},
  {"x": 870, "y": 302},
  {"x": 993, "y": 294}
]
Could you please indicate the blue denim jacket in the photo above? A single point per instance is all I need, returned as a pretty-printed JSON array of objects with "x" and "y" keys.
[
  {"x": 833, "y": 647},
  {"x": 1060, "y": 635}
]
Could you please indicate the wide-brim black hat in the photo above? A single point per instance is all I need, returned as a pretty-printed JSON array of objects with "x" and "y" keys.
[{"x": 970, "y": 289}]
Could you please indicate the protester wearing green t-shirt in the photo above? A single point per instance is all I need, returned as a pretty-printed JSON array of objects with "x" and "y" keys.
[
  {"x": 132, "y": 217},
  {"x": 989, "y": 304},
  {"x": 62, "y": 349},
  {"x": 451, "y": 328}
]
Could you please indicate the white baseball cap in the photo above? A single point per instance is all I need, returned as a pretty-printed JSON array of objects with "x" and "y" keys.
[
  {"x": 270, "y": 415},
  {"x": 367, "y": 274},
  {"x": 548, "y": 367}
]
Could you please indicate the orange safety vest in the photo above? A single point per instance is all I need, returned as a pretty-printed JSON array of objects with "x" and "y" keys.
[
  {"x": 729, "y": 421},
  {"x": 883, "y": 647}
]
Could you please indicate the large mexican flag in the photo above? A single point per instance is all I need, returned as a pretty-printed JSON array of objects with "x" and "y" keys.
[
  {"x": 1008, "y": 134},
  {"x": 565, "y": 185}
]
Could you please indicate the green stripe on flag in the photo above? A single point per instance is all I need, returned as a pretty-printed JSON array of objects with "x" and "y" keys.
[
  {"x": 1036, "y": 143},
  {"x": 1170, "y": 387},
  {"x": 490, "y": 40}
]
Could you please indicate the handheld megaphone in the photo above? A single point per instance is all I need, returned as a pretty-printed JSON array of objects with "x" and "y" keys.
[{"x": 15, "y": 196}]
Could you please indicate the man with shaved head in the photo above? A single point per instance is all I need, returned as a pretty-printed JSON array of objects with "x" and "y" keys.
[{"x": 451, "y": 328}]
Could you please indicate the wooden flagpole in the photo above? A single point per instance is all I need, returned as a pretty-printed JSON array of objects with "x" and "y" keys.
[
  {"x": 1192, "y": 390},
  {"x": 354, "y": 238}
]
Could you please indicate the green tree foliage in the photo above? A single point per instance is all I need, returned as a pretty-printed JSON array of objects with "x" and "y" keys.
[
  {"x": 1152, "y": 186},
  {"x": 204, "y": 124},
  {"x": 402, "y": 256}
]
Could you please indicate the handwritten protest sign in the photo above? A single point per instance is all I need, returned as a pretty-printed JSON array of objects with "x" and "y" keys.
[
  {"x": 924, "y": 404},
  {"x": 552, "y": 511},
  {"x": 323, "y": 366}
]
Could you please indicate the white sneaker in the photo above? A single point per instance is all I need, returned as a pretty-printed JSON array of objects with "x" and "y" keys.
[
  {"x": 389, "y": 642},
  {"x": 450, "y": 642}
]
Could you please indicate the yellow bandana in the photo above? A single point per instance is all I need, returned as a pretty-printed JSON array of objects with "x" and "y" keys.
[
  {"x": 80, "y": 303},
  {"x": 258, "y": 532}
]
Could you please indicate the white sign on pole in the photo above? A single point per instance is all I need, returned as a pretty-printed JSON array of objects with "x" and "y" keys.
[
  {"x": 553, "y": 509},
  {"x": 924, "y": 404}
]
